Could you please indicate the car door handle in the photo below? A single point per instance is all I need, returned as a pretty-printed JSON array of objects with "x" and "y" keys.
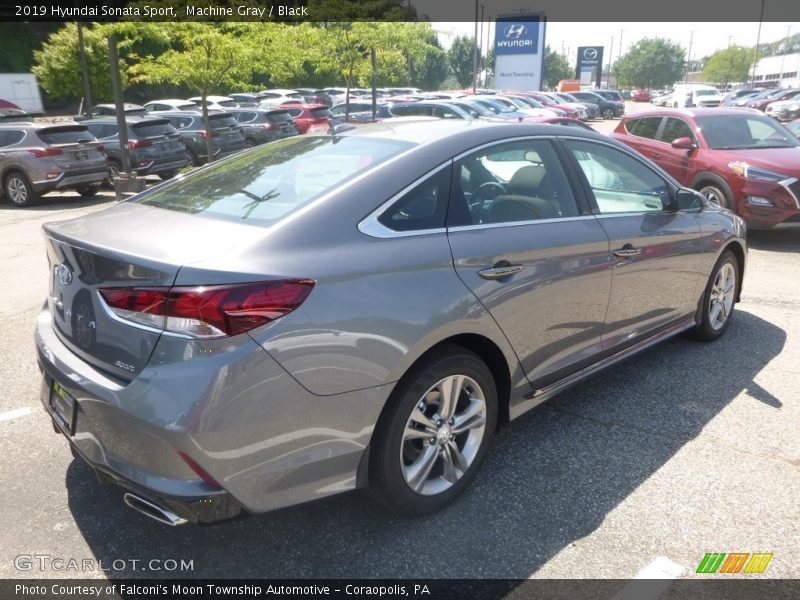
[
  {"x": 499, "y": 271},
  {"x": 627, "y": 251}
]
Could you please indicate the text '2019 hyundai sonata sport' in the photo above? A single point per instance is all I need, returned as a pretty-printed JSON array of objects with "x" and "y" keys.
[{"x": 363, "y": 309}]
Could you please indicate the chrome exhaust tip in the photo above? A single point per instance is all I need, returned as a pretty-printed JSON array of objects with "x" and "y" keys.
[{"x": 154, "y": 511}]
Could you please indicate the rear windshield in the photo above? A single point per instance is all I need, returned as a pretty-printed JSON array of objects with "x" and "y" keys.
[
  {"x": 706, "y": 92},
  {"x": 65, "y": 135},
  {"x": 265, "y": 185},
  {"x": 220, "y": 121},
  {"x": 280, "y": 117},
  {"x": 153, "y": 129},
  {"x": 321, "y": 112}
]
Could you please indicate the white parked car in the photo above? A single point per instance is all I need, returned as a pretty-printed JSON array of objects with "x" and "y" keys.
[
  {"x": 276, "y": 97},
  {"x": 170, "y": 104},
  {"x": 220, "y": 103}
]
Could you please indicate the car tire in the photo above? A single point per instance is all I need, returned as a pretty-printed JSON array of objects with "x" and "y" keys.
[
  {"x": 250, "y": 143},
  {"x": 87, "y": 191},
  {"x": 420, "y": 460},
  {"x": 114, "y": 168},
  {"x": 608, "y": 114},
  {"x": 194, "y": 160},
  {"x": 18, "y": 189},
  {"x": 167, "y": 175},
  {"x": 716, "y": 195},
  {"x": 719, "y": 299}
]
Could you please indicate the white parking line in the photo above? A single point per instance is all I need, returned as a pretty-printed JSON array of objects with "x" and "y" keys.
[
  {"x": 15, "y": 414},
  {"x": 658, "y": 574}
]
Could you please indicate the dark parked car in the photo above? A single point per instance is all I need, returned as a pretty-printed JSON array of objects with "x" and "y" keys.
[
  {"x": 608, "y": 108},
  {"x": 364, "y": 310},
  {"x": 37, "y": 158},
  {"x": 110, "y": 110},
  {"x": 312, "y": 96},
  {"x": 226, "y": 134},
  {"x": 246, "y": 99},
  {"x": 260, "y": 126},
  {"x": 155, "y": 145},
  {"x": 612, "y": 95},
  {"x": 736, "y": 157}
]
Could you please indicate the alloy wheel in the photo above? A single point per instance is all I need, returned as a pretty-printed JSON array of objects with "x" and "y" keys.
[
  {"x": 723, "y": 291},
  {"x": 443, "y": 435},
  {"x": 17, "y": 190}
]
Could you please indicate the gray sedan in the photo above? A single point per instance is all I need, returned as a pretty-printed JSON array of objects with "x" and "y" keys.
[{"x": 364, "y": 309}]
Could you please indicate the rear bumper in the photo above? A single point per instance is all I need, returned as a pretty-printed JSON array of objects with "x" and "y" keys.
[
  {"x": 229, "y": 407},
  {"x": 161, "y": 166},
  {"x": 71, "y": 179}
]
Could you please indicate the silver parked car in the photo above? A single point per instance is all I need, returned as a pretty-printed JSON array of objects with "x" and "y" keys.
[
  {"x": 36, "y": 158},
  {"x": 330, "y": 312}
]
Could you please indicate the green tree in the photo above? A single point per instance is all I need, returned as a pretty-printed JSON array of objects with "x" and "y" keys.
[
  {"x": 57, "y": 65},
  {"x": 650, "y": 63},
  {"x": 460, "y": 56},
  {"x": 556, "y": 68},
  {"x": 730, "y": 64},
  {"x": 431, "y": 72},
  {"x": 204, "y": 57}
]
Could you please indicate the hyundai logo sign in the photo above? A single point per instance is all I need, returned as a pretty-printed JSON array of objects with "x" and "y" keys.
[
  {"x": 515, "y": 31},
  {"x": 590, "y": 54},
  {"x": 517, "y": 37}
]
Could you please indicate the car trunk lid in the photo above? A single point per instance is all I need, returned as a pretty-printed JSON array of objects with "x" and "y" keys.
[{"x": 126, "y": 246}]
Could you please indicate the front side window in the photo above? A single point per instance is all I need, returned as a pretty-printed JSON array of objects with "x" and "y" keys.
[
  {"x": 511, "y": 182},
  {"x": 619, "y": 182},
  {"x": 676, "y": 128}
]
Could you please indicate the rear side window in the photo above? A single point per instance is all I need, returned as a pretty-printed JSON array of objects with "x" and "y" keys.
[
  {"x": 246, "y": 117},
  {"x": 153, "y": 129},
  {"x": 321, "y": 112},
  {"x": 424, "y": 207},
  {"x": 65, "y": 135},
  {"x": 9, "y": 137},
  {"x": 265, "y": 185},
  {"x": 279, "y": 117},
  {"x": 220, "y": 121},
  {"x": 646, "y": 127}
]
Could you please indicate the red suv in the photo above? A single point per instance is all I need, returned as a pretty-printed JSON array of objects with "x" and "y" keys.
[
  {"x": 738, "y": 158},
  {"x": 309, "y": 116}
]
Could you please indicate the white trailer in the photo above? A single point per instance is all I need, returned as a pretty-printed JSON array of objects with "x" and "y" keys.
[{"x": 21, "y": 89}]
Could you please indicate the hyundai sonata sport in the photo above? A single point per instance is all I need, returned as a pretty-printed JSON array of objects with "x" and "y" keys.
[{"x": 363, "y": 309}]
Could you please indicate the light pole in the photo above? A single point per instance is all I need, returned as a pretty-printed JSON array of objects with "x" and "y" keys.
[
  {"x": 758, "y": 41},
  {"x": 475, "y": 53},
  {"x": 689, "y": 57}
]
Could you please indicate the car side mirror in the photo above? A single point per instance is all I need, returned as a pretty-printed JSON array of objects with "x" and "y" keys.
[
  {"x": 688, "y": 199},
  {"x": 683, "y": 143}
]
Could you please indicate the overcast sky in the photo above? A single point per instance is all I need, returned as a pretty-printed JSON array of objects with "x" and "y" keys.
[{"x": 706, "y": 39}]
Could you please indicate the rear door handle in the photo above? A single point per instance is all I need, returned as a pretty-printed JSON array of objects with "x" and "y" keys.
[
  {"x": 627, "y": 251},
  {"x": 499, "y": 271}
]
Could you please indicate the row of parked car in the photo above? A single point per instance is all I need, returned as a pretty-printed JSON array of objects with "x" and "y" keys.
[{"x": 780, "y": 103}]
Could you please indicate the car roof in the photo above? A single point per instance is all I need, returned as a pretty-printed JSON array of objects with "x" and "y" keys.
[
  {"x": 465, "y": 134},
  {"x": 130, "y": 119},
  {"x": 125, "y": 106},
  {"x": 170, "y": 101},
  {"x": 696, "y": 112}
]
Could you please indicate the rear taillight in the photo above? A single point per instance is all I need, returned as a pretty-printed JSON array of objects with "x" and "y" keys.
[
  {"x": 44, "y": 152},
  {"x": 208, "y": 311},
  {"x": 139, "y": 144},
  {"x": 203, "y": 135},
  {"x": 267, "y": 126},
  {"x": 100, "y": 148}
]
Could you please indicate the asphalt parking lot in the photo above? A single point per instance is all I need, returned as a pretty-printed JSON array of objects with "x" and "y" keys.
[{"x": 688, "y": 449}]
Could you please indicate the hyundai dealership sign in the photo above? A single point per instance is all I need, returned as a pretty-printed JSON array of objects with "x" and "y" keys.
[{"x": 519, "y": 51}]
